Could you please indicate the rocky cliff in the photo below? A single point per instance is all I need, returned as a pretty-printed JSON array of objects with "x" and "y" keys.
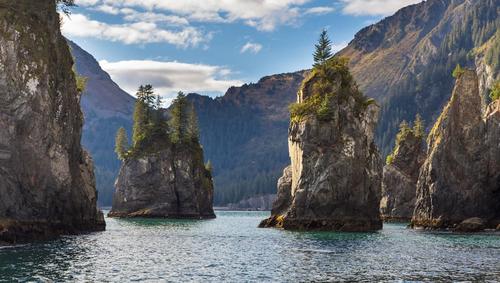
[
  {"x": 170, "y": 181},
  {"x": 399, "y": 182},
  {"x": 47, "y": 184},
  {"x": 460, "y": 178},
  {"x": 334, "y": 179}
]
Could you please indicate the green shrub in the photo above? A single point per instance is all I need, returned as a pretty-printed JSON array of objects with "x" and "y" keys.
[{"x": 495, "y": 91}]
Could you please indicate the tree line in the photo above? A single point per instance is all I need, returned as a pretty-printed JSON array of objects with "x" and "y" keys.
[{"x": 152, "y": 125}]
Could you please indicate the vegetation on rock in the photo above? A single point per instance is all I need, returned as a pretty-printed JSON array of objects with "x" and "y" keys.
[
  {"x": 323, "y": 82},
  {"x": 405, "y": 132},
  {"x": 152, "y": 131},
  {"x": 495, "y": 91}
]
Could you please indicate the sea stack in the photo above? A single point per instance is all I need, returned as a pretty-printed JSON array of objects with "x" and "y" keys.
[
  {"x": 333, "y": 182},
  {"x": 47, "y": 185},
  {"x": 459, "y": 183},
  {"x": 163, "y": 174},
  {"x": 399, "y": 182}
]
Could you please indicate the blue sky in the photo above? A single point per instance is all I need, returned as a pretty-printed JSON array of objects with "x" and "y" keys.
[{"x": 205, "y": 46}]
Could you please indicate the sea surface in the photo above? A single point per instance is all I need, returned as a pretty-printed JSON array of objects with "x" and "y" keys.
[{"x": 231, "y": 249}]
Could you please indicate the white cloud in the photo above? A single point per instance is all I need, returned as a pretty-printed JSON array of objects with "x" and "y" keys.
[
  {"x": 251, "y": 47},
  {"x": 375, "y": 7},
  {"x": 169, "y": 77},
  {"x": 86, "y": 2},
  {"x": 108, "y": 9},
  {"x": 264, "y": 15},
  {"x": 321, "y": 10},
  {"x": 132, "y": 33}
]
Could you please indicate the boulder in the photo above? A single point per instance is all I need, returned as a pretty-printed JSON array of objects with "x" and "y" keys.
[
  {"x": 474, "y": 224},
  {"x": 47, "y": 184}
]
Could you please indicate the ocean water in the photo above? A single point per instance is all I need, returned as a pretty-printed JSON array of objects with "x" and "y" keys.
[{"x": 231, "y": 249}]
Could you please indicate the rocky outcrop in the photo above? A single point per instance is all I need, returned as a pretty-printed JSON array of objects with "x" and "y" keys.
[
  {"x": 334, "y": 179},
  {"x": 169, "y": 183},
  {"x": 399, "y": 182},
  {"x": 47, "y": 184},
  {"x": 460, "y": 178}
]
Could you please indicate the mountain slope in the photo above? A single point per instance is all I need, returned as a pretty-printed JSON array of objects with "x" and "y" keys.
[
  {"x": 244, "y": 135},
  {"x": 106, "y": 107},
  {"x": 406, "y": 60}
]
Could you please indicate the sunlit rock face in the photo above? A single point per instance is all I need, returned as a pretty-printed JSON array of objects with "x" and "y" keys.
[
  {"x": 170, "y": 183},
  {"x": 459, "y": 182},
  {"x": 47, "y": 184},
  {"x": 333, "y": 182}
]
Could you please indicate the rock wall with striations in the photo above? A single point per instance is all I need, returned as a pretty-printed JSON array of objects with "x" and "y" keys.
[
  {"x": 170, "y": 183},
  {"x": 47, "y": 184},
  {"x": 399, "y": 182},
  {"x": 334, "y": 179},
  {"x": 459, "y": 183}
]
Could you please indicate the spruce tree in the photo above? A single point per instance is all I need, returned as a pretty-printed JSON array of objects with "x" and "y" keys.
[
  {"x": 140, "y": 123},
  {"x": 193, "y": 129},
  {"x": 146, "y": 95},
  {"x": 121, "y": 143},
  {"x": 418, "y": 127},
  {"x": 323, "y": 50},
  {"x": 179, "y": 119}
]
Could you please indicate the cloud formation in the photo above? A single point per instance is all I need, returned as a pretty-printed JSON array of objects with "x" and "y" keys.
[
  {"x": 375, "y": 7},
  {"x": 251, "y": 47},
  {"x": 264, "y": 15},
  {"x": 170, "y": 77},
  {"x": 132, "y": 33}
]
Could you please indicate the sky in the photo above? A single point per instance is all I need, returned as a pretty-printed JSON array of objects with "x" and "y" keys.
[{"x": 206, "y": 46}]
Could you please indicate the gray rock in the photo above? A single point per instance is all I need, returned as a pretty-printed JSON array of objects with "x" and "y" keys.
[
  {"x": 47, "y": 184},
  {"x": 400, "y": 179},
  {"x": 170, "y": 183},
  {"x": 460, "y": 176},
  {"x": 334, "y": 179},
  {"x": 474, "y": 224}
]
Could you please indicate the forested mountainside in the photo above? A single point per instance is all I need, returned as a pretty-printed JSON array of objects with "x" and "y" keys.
[
  {"x": 106, "y": 107},
  {"x": 406, "y": 60},
  {"x": 244, "y": 135}
]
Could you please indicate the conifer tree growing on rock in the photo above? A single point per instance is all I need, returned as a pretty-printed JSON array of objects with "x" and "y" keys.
[
  {"x": 323, "y": 50},
  {"x": 121, "y": 143}
]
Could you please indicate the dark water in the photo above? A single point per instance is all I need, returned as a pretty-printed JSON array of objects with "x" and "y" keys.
[{"x": 231, "y": 248}]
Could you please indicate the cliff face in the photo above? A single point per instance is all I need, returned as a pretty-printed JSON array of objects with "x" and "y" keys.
[
  {"x": 47, "y": 184},
  {"x": 333, "y": 182},
  {"x": 400, "y": 177},
  {"x": 460, "y": 178},
  {"x": 170, "y": 183}
]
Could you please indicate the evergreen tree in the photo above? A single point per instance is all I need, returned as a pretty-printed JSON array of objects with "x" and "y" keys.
[
  {"x": 418, "y": 127},
  {"x": 140, "y": 122},
  {"x": 121, "y": 143},
  {"x": 458, "y": 71},
  {"x": 193, "y": 129},
  {"x": 179, "y": 119},
  {"x": 323, "y": 50},
  {"x": 146, "y": 95}
]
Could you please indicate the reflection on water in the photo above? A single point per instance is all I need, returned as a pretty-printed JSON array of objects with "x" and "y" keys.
[{"x": 231, "y": 248}]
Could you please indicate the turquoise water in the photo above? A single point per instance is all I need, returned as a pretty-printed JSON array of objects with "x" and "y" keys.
[{"x": 231, "y": 248}]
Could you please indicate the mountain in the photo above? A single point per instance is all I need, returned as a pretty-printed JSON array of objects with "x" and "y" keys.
[
  {"x": 405, "y": 61},
  {"x": 106, "y": 107},
  {"x": 244, "y": 135}
]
